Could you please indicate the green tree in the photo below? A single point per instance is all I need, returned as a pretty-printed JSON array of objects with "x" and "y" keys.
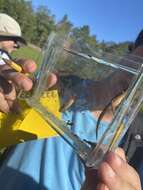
[
  {"x": 64, "y": 25},
  {"x": 22, "y": 11},
  {"x": 44, "y": 25}
]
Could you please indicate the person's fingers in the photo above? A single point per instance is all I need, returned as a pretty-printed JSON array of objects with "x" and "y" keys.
[
  {"x": 111, "y": 179},
  {"x": 4, "y": 107},
  {"x": 8, "y": 94},
  {"x": 122, "y": 169},
  {"x": 28, "y": 65},
  {"x": 52, "y": 80},
  {"x": 5, "y": 86},
  {"x": 9, "y": 78},
  {"x": 19, "y": 79},
  {"x": 120, "y": 152},
  {"x": 7, "y": 89},
  {"x": 14, "y": 107},
  {"x": 102, "y": 186}
]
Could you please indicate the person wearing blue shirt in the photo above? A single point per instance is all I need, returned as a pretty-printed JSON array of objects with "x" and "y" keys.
[{"x": 51, "y": 164}]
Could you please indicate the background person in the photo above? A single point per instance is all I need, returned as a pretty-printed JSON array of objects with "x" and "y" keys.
[{"x": 10, "y": 36}]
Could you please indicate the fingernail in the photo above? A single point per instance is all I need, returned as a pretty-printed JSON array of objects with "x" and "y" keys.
[
  {"x": 101, "y": 186},
  {"x": 29, "y": 65},
  {"x": 4, "y": 110},
  {"x": 114, "y": 157},
  {"x": 25, "y": 84}
]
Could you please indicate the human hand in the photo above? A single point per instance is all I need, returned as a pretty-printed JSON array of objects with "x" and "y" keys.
[
  {"x": 113, "y": 174},
  {"x": 10, "y": 80}
]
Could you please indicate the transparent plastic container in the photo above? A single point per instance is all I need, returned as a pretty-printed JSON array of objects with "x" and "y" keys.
[{"x": 72, "y": 66}]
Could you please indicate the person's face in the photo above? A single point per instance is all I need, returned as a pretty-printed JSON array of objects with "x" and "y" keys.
[{"x": 8, "y": 45}]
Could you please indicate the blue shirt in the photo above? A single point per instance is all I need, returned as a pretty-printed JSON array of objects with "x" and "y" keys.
[{"x": 50, "y": 164}]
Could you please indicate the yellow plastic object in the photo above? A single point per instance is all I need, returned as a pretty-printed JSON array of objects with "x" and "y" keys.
[
  {"x": 28, "y": 125},
  {"x": 13, "y": 65}
]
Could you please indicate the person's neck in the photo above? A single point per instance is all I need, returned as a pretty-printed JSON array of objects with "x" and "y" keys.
[{"x": 108, "y": 116}]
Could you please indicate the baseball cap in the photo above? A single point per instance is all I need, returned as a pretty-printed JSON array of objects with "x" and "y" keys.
[{"x": 10, "y": 29}]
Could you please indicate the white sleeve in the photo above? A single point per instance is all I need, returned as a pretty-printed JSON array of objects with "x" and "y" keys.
[{"x": 3, "y": 55}]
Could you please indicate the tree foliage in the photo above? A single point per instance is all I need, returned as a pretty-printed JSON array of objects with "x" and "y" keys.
[{"x": 37, "y": 24}]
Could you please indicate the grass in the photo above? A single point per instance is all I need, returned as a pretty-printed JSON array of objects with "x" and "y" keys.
[{"x": 28, "y": 52}]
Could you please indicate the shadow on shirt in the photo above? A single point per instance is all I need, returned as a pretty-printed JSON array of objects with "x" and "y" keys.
[{"x": 11, "y": 179}]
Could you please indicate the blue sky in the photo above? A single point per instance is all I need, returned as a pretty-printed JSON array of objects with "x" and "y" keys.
[{"x": 109, "y": 20}]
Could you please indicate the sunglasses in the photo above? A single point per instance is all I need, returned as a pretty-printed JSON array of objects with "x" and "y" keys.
[{"x": 17, "y": 45}]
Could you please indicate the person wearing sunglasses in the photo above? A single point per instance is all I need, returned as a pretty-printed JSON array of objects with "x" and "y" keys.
[{"x": 10, "y": 40}]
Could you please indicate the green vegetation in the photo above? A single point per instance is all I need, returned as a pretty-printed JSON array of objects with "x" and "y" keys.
[
  {"x": 37, "y": 24},
  {"x": 27, "y": 52}
]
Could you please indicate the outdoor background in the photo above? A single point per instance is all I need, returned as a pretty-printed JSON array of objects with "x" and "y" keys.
[{"x": 107, "y": 25}]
